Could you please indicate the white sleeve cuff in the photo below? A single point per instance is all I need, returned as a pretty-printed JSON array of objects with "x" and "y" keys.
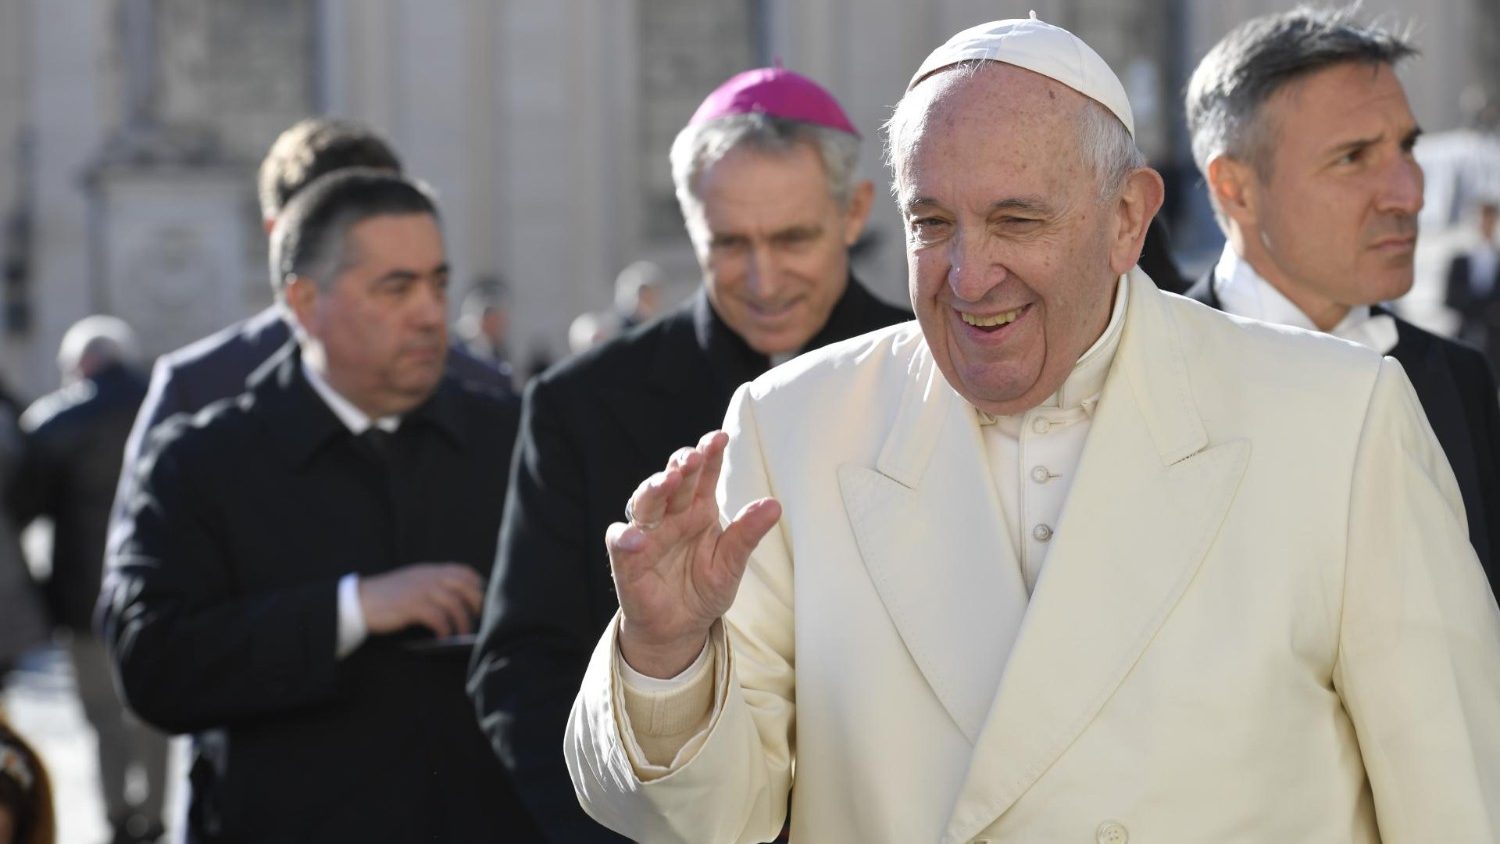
[
  {"x": 641, "y": 684},
  {"x": 352, "y": 631}
]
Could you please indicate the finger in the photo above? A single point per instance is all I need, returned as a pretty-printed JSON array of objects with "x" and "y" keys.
[
  {"x": 432, "y": 617},
  {"x": 470, "y": 594},
  {"x": 743, "y": 533},
  {"x": 624, "y": 541},
  {"x": 688, "y": 463},
  {"x": 460, "y": 576},
  {"x": 650, "y": 503},
  {"x": 454, "y": 610},
  {"x": 712, "y": 446}
]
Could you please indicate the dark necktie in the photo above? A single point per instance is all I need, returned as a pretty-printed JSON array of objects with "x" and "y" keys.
[{"x": 378, "y": 442}]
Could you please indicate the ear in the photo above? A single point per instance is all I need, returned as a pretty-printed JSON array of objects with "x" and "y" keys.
[
  {"x": 268, "y": 223},
  {"x": 1140, "y": 198},
  {"x": 1234, "y": 186},
  {"x": 861, "y": 200},
  {"x": 301, "y": 295}
]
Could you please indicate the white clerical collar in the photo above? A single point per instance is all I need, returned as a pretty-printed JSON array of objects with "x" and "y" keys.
[
  {"x": 353, "y": 418},
  {"x": 1084, "y": 384},
  {"x": 1243, "y": 292}
]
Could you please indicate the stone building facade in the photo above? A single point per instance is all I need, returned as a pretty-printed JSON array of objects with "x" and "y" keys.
[{"x": 130, "y": 130}]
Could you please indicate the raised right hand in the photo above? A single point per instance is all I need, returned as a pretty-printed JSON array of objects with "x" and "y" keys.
[
  {"x": 443, "y": 597},
  {"x": 675, "y": 570}
]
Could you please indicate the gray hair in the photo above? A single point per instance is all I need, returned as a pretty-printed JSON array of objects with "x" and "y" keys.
[
  {"x": 698, "y": 147},
  {"x": 104, "y": 339},
  {"x": 1261, "y": 56},
  {"x": 1104, "y": 143},
  {"x": 310, "y": 233}
]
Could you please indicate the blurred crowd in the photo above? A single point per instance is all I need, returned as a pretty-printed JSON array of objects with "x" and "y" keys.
[{"x": 357, "y": 552}]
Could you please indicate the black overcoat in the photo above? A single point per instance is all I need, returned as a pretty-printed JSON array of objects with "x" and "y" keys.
[
  {"x": 221, "y": 613},
  {"x": 75, "y": 438},
  {"x": 592, "y": 428}
]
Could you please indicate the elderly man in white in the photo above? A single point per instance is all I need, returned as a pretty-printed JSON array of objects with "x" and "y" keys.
[{"x": 1067, "y": 559}]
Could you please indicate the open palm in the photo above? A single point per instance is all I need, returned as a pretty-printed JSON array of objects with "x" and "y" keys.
[{"x": 676, "y": 570}]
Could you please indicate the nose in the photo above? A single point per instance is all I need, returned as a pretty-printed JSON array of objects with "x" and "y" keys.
[
  {"x": 762, "y": 276},
  {"x": 1402, "y": 191},
  {"x": 431, "y": 305},
  {"x": 971, "y": 271}
]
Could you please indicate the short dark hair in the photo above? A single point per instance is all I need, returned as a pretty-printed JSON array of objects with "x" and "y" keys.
[
  {"x": 310, "y": 233},
  {"x": 314, "y": 147},
  {"x": 1259, "y": 57}
]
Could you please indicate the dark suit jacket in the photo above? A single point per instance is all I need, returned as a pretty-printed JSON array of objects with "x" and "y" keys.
[
  {"x": 593, "y": 428},
  {"x": 221, "y": 613},
  {"x": 1480, "y": 312},
  {"x": 1457, "y": 391},
  {"x": 75, "y": 438},
  {"x": 1156, "y": 259},
  {"x": 217, "y": 367}
]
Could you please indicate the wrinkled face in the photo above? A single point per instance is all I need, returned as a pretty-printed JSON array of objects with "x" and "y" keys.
[
  {"x": 1336, "y": 222},
  {"x": 773, "y": 244},
  {"x": 1008, "y": 244},
  {"x": 379, "y": 335}
]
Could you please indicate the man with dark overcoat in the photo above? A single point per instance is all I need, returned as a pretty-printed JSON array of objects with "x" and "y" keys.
[{"x": 301, "y": 565}]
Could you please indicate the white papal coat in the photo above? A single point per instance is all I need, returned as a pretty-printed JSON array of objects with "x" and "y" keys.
[{"x": 1259, "y": 620}]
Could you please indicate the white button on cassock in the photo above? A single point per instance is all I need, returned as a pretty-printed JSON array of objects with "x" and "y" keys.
[
  {"x": 1041, "y": 533},
  {"x": 1041, "y": 475},
  {"x": 1110, "y": 832}
]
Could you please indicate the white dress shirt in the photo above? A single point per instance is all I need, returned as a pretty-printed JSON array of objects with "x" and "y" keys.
[
  {"x": 1243, "y": 292},
  {"x": 352, "y": 631}
]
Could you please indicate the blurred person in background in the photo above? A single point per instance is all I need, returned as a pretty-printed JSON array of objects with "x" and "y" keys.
[
  {"x": 1305, "y": 139},
  {"x": 75, "y": 440},
  {"x": 483, "y": 325},
  {"x": 588, "y": 330},
  {"x": 301, "y": 568},
  {"x": 638, "y": 292},
  {"x": 765, "y": 175},
  {"x": 27, "y": 815},
  {"x": 1473, "y": 285},
  {"x": 23, "y": 626}
]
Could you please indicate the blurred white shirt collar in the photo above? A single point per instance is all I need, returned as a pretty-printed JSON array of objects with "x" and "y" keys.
[
  {"x": 353, "y": 418},
  {"x": 1243, "y": 292}
]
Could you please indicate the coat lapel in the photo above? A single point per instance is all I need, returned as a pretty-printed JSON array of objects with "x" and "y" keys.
[
  {"x": 926, "y": 520},
  {"x": 1150, "y": 495}
]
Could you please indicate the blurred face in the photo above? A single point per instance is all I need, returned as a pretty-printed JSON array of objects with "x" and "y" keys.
[
  {"x": 379, "y": 335},
  {"x": 1335, "y": 224},
  {"x": 1012, "y": 256},
  {"x": 773, "y": 244}
]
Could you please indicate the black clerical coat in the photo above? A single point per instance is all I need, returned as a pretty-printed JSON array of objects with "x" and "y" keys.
[
  {"x": 69, "y": 470},
  {"x": 592, "y": 429},
  {"x": 221, "y": 613},
  {"x": 1457, "y": 391}
]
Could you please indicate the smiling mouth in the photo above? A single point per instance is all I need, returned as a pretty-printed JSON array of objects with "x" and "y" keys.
[
  {"x": 772, "y": 311},
  {"x": 995, "y": 321}
]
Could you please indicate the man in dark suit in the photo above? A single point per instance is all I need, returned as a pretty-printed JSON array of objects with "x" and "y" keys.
[
  {"x": 301, "y": 565},
  {"x": 1473, "y": 288},
  {"x": 1304, "y": 137},
  {"x": 215, "y": 367},
  {"x": 765, "y": 177},
  {"x": 75, "y": 438}
]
